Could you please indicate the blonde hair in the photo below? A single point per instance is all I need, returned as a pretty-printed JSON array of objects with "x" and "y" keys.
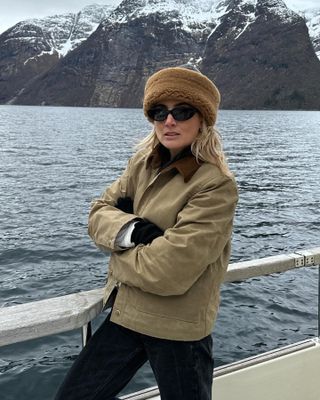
[{"x": 206, "y": 147}]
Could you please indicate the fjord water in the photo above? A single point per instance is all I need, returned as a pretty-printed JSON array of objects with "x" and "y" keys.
[{"x": 55, "y": 160}]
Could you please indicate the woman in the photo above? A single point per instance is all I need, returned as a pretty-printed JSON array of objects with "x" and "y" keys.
[{"x": 167, "y": 223}]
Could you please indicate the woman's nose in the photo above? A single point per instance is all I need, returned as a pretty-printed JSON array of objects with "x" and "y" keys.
[{"x": 170, "y": 120}]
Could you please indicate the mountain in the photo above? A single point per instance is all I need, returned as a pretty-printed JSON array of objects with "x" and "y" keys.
[
  {"x": 260, "y": 55},
  {"x": 257, "y": 51},
  {"x": 33, "y": 46}
]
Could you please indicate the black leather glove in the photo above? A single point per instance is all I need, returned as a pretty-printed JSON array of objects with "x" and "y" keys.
[
  {"x": 125, "y": 204},
  {"x": 144, "y": 232}
]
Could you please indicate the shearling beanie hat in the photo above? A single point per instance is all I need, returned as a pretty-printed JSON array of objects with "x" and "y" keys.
[{"x": 183, "y": 84}]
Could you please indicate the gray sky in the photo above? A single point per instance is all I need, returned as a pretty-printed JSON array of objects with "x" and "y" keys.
[{"x": 13, "y": 11}]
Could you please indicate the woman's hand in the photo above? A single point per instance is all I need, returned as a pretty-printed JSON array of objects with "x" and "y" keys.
[
  {"x": 145, "y": 232},
  {"x": 125, "y": 204}
]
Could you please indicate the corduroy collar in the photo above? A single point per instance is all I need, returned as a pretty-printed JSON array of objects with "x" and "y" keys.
[{"x": 185, "y": 162}]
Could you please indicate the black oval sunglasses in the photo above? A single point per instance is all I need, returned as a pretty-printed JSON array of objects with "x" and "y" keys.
[{"x": 179, "y": 113}]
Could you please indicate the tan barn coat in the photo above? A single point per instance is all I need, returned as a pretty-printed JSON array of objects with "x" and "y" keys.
[{"x": 169, "y": 288}]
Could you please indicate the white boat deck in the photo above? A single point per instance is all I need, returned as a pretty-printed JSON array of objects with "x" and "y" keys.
[{"x": 289, "y": 373}]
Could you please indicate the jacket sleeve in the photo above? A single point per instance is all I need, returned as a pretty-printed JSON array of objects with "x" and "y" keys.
[
  {"x": 172, "y": 263},
  {"x": 105, "y": 220}
]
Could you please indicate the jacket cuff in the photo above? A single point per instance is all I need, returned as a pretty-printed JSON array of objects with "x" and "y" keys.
[{"x": 123, "y": 239}]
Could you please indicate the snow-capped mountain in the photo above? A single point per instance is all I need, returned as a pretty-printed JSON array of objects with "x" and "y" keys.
[
  {"x": 34, "y": 46},
  {"x": 59, "y": 33},
  {"x": 258, "y": 51},
  {"x": 203, "y": 14},
  {"x": 63, "y": 33}
]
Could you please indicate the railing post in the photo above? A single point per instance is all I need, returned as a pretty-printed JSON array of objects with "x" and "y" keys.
[{"x": 86, "y": 333}]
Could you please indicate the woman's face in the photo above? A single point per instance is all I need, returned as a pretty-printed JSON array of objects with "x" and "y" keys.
[{"x": 177, "y": 135}]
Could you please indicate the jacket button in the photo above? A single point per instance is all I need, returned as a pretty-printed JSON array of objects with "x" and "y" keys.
[{"x": 117, "y": 313}]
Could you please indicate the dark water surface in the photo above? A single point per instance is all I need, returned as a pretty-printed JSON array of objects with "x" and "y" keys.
[{"x": 54, "y": 161}]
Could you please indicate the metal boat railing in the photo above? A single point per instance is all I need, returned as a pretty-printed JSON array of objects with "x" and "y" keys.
[{"x": 65, "y": 313}]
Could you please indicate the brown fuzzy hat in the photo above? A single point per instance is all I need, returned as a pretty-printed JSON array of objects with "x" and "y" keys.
[{"x": 183, "y": 84}]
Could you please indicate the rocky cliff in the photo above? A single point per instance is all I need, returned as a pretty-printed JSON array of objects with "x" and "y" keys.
[
  {"x": 261, "y": 57},
  {"x": 258, "y": 51}
]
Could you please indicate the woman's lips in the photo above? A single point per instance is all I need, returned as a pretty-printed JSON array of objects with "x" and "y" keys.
[{"x": 170, "y": 134}]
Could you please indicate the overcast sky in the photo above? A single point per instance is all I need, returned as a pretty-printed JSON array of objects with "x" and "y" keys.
[{"x": 13, "y": 11}]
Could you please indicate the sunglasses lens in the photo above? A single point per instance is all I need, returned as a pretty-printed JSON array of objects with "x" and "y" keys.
[
  {"x": 182, "y": 113},
  {"x": 158, "y": 113}
]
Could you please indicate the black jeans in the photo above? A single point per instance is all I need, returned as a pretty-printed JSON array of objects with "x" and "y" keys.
[{"x": 183, "y": 370}]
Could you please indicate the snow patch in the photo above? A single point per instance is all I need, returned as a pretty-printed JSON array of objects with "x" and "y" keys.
[
  {"x": 312, "y": 19},
  {"x": 60, "y": 33},
  {"x": 190, "y": 15},
  {"x": 36, "y": 57}
]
